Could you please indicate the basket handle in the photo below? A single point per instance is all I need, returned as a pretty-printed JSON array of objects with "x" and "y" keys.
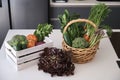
[{"x": 79, "y": 20}]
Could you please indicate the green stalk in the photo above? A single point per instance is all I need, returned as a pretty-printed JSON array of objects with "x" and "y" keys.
[
  {"x": 97, "y": 14},
  {"x": 94, "y": 39}
]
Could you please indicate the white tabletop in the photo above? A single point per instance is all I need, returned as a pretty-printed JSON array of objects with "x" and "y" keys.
[{"x": 102, "y": 67}]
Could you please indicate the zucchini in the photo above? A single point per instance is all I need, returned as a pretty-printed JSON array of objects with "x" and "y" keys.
[{"x": 67, "y": 39}]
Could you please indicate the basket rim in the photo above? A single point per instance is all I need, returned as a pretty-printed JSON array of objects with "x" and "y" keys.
[{"x": 79, "y": 20}]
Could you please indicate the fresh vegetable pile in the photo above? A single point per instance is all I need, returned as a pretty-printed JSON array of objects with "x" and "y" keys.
[
  {"x": 20, "y": 42},
  {"x": 83, "y": 35},
  {"x": 56, "y": 62}
]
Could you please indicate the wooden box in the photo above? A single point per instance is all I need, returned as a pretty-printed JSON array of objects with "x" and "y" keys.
[{"x": 27, "y": 57}]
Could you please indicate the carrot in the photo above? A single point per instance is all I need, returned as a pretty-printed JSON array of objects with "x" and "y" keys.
[
  {"x": 32, "y": 37},
  {"x": 31, "y": 43},
  {"x": 32, "y": 40},
  {"x": 86, "y": 37}
]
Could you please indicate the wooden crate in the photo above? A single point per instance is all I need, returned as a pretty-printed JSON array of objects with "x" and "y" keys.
[{"x": 27, "y": 57}]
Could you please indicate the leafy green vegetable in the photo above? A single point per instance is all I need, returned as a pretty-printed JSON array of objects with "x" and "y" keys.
[
  {"x": 18, "y": 42},
  {"x": 80, "y": 43},
  {"x": 73, "y": 30},
  {"x": 98, "y": 13},
  {"x": 42, "y": 31},
  {"x": 66, "y": 17}
]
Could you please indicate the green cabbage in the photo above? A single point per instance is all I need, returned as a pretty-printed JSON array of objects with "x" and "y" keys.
[{"x": 80, "y": 43}]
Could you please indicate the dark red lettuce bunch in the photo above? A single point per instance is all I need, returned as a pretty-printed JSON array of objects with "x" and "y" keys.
[{"x": 56, "y": 62}]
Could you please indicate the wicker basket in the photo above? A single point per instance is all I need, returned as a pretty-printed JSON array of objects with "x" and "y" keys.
[{"x": 80, "y": 55}]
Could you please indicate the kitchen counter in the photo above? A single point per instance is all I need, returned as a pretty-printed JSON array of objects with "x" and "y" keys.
[
  {"x": 102, "y": 67},
  {"x": 83, "y": 3}
]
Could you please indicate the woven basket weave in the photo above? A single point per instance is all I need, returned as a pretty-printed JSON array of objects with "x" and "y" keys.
[{"x": 80, "y": 55}]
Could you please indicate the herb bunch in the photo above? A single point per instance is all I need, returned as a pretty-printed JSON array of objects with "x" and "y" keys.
[{"x": 98, "y": 13}]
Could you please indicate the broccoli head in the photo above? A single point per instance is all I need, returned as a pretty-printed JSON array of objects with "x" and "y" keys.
[
  {"x": 18, "y": 42},
  {"x": 80, "y": 43}
]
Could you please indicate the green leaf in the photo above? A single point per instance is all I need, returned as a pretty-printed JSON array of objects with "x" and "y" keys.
[{"x": 42, "y": 31}]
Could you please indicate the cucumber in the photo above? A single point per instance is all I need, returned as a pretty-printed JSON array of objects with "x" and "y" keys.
[{"x": 67, "y": 39}]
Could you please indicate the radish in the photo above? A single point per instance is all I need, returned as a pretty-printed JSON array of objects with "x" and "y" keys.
[{"x": 39, "y": 43}]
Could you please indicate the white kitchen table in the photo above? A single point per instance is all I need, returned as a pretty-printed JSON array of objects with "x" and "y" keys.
[{"x": 102, "y": 67}]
